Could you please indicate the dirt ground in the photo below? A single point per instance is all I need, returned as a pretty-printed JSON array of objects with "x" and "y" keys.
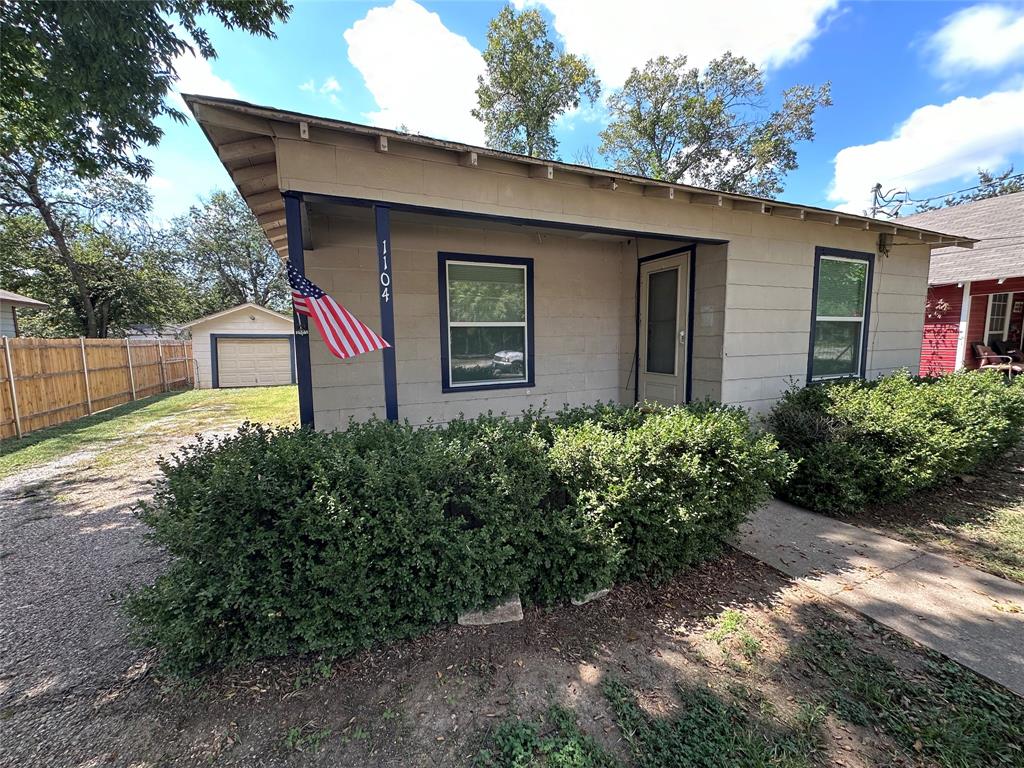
[{"x": 74, "y": 691}]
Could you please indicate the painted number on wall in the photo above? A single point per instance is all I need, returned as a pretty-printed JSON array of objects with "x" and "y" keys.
[{"x": 385, "y": 272}]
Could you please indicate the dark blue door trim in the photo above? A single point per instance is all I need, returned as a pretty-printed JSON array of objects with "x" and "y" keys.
[
  {"x": 293, "y": 218},
  {"x": 820, "y": 251},
  {"x": 442, "y": 296},
  {"x": 386, "y": 292},
  {"x": 214, "y": 352},
  {"x": 691, "y": 279}
]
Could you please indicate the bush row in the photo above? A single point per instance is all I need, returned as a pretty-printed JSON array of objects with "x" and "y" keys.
[
  {"x": 297, "y": 541},
  {"x": 861, "y": 443}
]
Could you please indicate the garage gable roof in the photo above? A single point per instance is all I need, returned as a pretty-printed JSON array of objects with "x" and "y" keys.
[{"x": 247, "y": 305}]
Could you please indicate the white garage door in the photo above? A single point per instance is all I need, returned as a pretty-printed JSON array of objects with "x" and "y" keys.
[{"x": 253, "y": 362}]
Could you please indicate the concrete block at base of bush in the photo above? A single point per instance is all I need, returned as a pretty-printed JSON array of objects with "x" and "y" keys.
[
  {"x": 510, "y": 610},
  {"x": 590, "y": 597}
]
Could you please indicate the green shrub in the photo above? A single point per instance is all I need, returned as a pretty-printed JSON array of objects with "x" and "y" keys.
[
  {"x": 858, "y": 443},
  {"x": 292, "y": 540},
  {"x": 672, "y": 487}
]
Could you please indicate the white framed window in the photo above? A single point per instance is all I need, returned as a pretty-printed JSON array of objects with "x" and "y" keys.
[
  {"x": 840, "y": 314},
  {"x": 997, "y": 319},
  {"x": 486, "y": 322}
]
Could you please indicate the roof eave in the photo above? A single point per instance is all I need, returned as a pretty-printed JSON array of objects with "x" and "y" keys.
[{"x": 272, "y": 215}]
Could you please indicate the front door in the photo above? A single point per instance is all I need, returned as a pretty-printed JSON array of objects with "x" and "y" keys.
[{"x": 663, "y": 298}]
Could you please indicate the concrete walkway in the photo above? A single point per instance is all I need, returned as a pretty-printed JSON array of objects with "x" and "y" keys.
[{"x": 966, "y": 614}]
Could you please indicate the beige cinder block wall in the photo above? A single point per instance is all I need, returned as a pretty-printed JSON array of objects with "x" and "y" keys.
[
  {"x": 758, "y": 302},
  {"x": 576, "y": 318},
  {"x": 768, "y": 307}
]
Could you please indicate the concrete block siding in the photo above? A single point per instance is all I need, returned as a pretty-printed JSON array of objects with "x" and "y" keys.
[{"x": 752, "y": 302}]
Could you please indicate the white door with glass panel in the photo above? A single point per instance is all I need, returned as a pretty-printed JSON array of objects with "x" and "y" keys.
[{"x": 663, "y": 296}]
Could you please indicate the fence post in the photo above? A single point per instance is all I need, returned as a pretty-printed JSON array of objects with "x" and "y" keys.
[
  {"x": 85, "y": 373},
  {"x": 163, "y": 372},
  {"x": 131, "y": 373},
  {"x": 14, "y": 389}
]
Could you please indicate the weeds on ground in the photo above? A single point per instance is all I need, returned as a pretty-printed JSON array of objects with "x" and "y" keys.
[
  {"x": 706, "y": 732},
  {"x": 944, "y": 713},
  {"x": 305, "y": 738},
  {"x": 733, "y": 624}
]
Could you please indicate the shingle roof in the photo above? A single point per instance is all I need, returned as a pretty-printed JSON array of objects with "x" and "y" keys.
[
  {"x": 10, "y": 297},
  {"x": 999, "y": 225}
]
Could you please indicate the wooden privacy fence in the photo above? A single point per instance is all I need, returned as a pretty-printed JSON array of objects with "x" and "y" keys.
[{"x": 44, "y": 382}]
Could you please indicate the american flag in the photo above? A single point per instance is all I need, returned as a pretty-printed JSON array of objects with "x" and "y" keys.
[{"x": 344, "y": 334}]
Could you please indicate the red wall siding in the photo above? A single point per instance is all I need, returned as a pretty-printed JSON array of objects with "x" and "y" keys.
[{"x": 941, "y": 328}]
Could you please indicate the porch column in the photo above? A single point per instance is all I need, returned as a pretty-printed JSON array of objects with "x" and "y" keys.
[
  {"x": 303, "y": 369},
  {"x": 386, "y": 289},
  {"x": 961, "y": 339}
]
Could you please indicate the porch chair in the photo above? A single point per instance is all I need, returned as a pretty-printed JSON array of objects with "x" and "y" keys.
[
  {"x": 1007, "y": 349},
  {"x": 989, "y": 360}
]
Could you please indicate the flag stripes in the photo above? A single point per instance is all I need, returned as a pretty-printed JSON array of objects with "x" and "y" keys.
[{"x": 344, "y": 335}]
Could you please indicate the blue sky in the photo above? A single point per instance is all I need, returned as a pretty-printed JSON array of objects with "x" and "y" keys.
[{"x": 924, "y": 92}]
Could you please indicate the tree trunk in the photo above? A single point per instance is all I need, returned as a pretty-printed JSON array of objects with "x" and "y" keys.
[{"x": 64, "y": 250}]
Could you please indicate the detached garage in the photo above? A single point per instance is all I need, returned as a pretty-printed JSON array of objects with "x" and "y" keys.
[{"x": 245, "y": 346}]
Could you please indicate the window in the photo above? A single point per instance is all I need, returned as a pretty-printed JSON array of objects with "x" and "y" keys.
[
  {"x": 486, "y": 322},
  {"x": 842, "y": 298},
  {"x": 996, "y": 323}
]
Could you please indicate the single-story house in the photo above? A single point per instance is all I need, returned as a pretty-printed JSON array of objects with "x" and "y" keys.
[
  {"x": 9, "y": 304},
  {"x": 974, "y": 296},
  {"x": 245, "y": 346},
  {"x": 505, "y": 282}
]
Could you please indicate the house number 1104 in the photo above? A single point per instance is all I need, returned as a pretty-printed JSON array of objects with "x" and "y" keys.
[{"x": 385, "y": 274}]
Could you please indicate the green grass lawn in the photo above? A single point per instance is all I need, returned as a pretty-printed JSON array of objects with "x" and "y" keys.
[{"x": 129, "y": 428}]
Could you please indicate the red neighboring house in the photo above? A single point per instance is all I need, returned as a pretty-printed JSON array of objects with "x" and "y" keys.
[{"x": 974, "y": 295}]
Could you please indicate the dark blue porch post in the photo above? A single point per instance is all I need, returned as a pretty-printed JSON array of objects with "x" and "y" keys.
[
  {"x": 304, "y": 373},
  {"x": 386, "y": 288}
]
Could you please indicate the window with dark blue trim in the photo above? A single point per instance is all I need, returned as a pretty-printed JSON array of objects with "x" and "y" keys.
[
  {"x": 840, "y": 314},
  {"x": 486, "y": 311}
]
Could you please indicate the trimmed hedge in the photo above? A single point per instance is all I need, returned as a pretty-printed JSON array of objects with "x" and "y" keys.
[
  {"x": 861, "y": 443},
  {"x": 298, "y": 541}
]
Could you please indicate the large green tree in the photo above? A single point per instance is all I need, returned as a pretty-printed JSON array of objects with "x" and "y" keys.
[
  {"x": 529, "y": 82},
  {"x": 710, "y": 128},
  {"x": 82, "y": 82},
  {"x": 221, "y": 248},
  {"x": 85, "y": 248}
]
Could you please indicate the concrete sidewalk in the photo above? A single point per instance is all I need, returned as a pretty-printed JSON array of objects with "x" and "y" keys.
[{"x": 966, "y": 614}]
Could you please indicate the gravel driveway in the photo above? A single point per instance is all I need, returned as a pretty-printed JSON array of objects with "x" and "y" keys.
[{"x": 70, "y": 546}]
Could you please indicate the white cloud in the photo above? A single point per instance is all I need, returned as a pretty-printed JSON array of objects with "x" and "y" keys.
[
  {"x": 331, "y": 85},
  {"x": 195, "y": 75},
  {"x": 937, "y": 143},
  {"x": 309, "y": 86},
  {"x": 982, "y": 38},
  {"x": 420, "y": 73},
  {"x": 616, "y": 38}
]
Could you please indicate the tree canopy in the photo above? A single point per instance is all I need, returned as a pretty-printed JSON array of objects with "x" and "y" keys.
[
  {"x": 85, "y": 247},
  {"x": 529, "y": 82},
  {"x": 82, "y": 83},
  {"x": 989, "y": 185},
  {"x": 710, "y": 128},
  {"x": 222, "y": 249}
]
